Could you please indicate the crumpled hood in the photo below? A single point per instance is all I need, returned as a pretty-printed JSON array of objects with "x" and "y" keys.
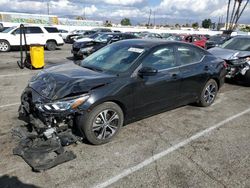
[
  {"x": 226, "y": 54},
  {"x": 68, "y": 80}
]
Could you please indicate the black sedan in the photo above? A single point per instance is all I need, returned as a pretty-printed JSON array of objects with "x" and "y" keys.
[
  {"x": 82, "y": 49},
  {"x": 121, "y": 83},
  {"x": 216, "y": 40}
]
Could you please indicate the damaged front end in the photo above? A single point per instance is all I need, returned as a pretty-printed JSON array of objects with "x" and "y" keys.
[
  {"x": 237, "y": 67},
  {"x": 51, "y": 127}
]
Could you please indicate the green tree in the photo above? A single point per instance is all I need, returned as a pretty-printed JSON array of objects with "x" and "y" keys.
[
  {"x": 125, "y": 21},
  {"x": 108, "y": 24},
  {"x": 195, "y": 25},
  {"x": 207, "y": 23}
]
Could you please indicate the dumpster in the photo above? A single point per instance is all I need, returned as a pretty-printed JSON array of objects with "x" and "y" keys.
[{"x": 37, "y": 56}]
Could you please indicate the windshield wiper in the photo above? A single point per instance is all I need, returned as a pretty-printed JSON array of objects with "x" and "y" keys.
[{"x": 93, "y": 68}]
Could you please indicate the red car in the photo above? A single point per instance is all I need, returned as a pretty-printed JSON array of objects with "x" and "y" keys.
[{"x": 201, "y": 42}]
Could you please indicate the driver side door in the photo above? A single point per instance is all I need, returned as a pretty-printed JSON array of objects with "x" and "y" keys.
[{"x": 158, "y": 92}]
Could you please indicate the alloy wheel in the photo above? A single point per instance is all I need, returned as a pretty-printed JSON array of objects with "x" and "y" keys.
[
  {"x": 210, "y": 93},
  {"x": 4, "y": 46},
  {"x": 105, "y": 124}
]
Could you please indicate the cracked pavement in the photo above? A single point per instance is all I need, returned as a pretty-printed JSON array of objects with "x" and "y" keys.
[{"x": 218, "y": 159}]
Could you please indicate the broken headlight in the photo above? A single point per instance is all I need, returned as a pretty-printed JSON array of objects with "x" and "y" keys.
[{"x": 63, "y": 105}]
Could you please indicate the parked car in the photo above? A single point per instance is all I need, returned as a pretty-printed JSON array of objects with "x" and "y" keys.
[
  {"x": 82, "y": 49},
  {"x": 71, "y": 38},
  {"x": 47, "y": 36},
  {"x": 166, "y": 35},
  {"x": 236, "y": 53},
  {"x": 216, "y": 40},
  {"x": 201, "y": 42},
  {"x": 150, "y": 36},
  {"x": 175, "y": 38},
  {"x": 64, "y": 33},
  {"x": 121, "y": 83},
  {"x": 89, "y": 38}
]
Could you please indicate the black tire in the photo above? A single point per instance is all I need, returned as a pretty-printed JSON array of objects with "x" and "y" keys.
[
  {"x": 247, "y": 78},
  {"x": 51, "y": 45},
  {"x": 4, "y": 46},
  {"x": 208, "y": 94},
  {"x": 101, "y": 132}
]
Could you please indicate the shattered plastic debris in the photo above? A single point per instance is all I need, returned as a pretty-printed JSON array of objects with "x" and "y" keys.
[{"x": 42, "y": 154}]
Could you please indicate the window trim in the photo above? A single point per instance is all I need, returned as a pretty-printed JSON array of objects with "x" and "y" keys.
[{"x": 178, "y": 56}]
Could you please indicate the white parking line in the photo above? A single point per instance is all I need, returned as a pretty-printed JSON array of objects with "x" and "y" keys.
[
  {"x": 9, "y": 75},
  {"x": 158, "y": 156},
  {"x": 7, "y": 105}
]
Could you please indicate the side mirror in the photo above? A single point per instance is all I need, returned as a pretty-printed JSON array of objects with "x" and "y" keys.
[{"x": 147, "y": 71}]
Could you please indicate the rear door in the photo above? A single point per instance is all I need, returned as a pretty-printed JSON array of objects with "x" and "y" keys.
[
  {"x": 35, "y": 35},
  {"x": 157, "y": 92},
  {"x": 194, "y": 72}
]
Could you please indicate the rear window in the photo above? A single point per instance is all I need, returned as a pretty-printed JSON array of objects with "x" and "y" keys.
[{"x": 51, "y": 29}]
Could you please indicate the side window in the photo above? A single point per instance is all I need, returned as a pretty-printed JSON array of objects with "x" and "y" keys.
[
  {"x": 189, "y": 54},
  {"x": 17, "y": 31},
  {"x": 34, "y": 30},
  {"x": 161, "y": 58}
]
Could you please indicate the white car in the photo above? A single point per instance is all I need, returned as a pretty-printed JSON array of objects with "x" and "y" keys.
[
  {"x": 47, "y": 36},
  {"x": 64, "y": 33}
]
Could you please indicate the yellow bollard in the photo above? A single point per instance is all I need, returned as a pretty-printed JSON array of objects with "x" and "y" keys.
[{"x": 37, "y": 56}]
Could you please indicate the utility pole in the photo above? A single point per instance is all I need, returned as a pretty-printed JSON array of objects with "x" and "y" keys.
[
  {"x": 48, "y": 8},
  {"x": 150, "y": 12},
  {"x": 154, "y": 18}
]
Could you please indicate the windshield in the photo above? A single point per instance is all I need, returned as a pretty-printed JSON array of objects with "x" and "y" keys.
[
  {"x": 114, "y": 59},
  {"x": 104, "y": 38},
  {"x": 241, "y": 44},
  {"x": 93, "y": 36},
  {"x": 8, "y": 30}
]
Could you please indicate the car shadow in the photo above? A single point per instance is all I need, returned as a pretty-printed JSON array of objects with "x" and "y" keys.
[
  {"x": 237, "y": 82},
  {"x": 76, "y": 61},
  {"x": 7, "y": 181}
]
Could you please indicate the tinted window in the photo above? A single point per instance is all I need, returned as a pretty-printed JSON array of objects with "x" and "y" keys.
[
  {"x": 17, "y": 31},
  {"x": 189, "y": 54},
  {"x": 34, "y": 30},
  {"x": 51, "y": 29},
  {"x": 63, "y": 31},
  {"x": 161, "y": 58}
]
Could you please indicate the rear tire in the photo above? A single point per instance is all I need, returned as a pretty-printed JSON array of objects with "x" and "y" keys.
[
  {"x": 208, "y": 94},
  {"x": 101, "y": 124},
  {"x": 51, "y": 45},
  {"x": 4, "y": 46}
]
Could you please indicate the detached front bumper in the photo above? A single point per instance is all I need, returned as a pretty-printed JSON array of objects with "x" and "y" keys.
[{"x": 42, "y": 142}]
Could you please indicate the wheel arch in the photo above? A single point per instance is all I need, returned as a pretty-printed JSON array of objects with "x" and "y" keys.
[{"x": 51, "y": 40}]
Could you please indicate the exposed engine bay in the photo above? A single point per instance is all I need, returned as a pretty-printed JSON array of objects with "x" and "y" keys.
[{"x": 237, "y": 67}]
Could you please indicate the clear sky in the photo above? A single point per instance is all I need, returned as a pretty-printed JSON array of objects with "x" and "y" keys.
[{"x": 166, "y": 11}]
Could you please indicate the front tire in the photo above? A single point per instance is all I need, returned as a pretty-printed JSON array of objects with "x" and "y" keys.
[
  {"x": 4, "y": 46},
  {"x": 51, "y": 45},
  {"x": 208, "y": 94},
  {"x": 101, "y": 124},
  {"x": 247, "y": 78}
]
